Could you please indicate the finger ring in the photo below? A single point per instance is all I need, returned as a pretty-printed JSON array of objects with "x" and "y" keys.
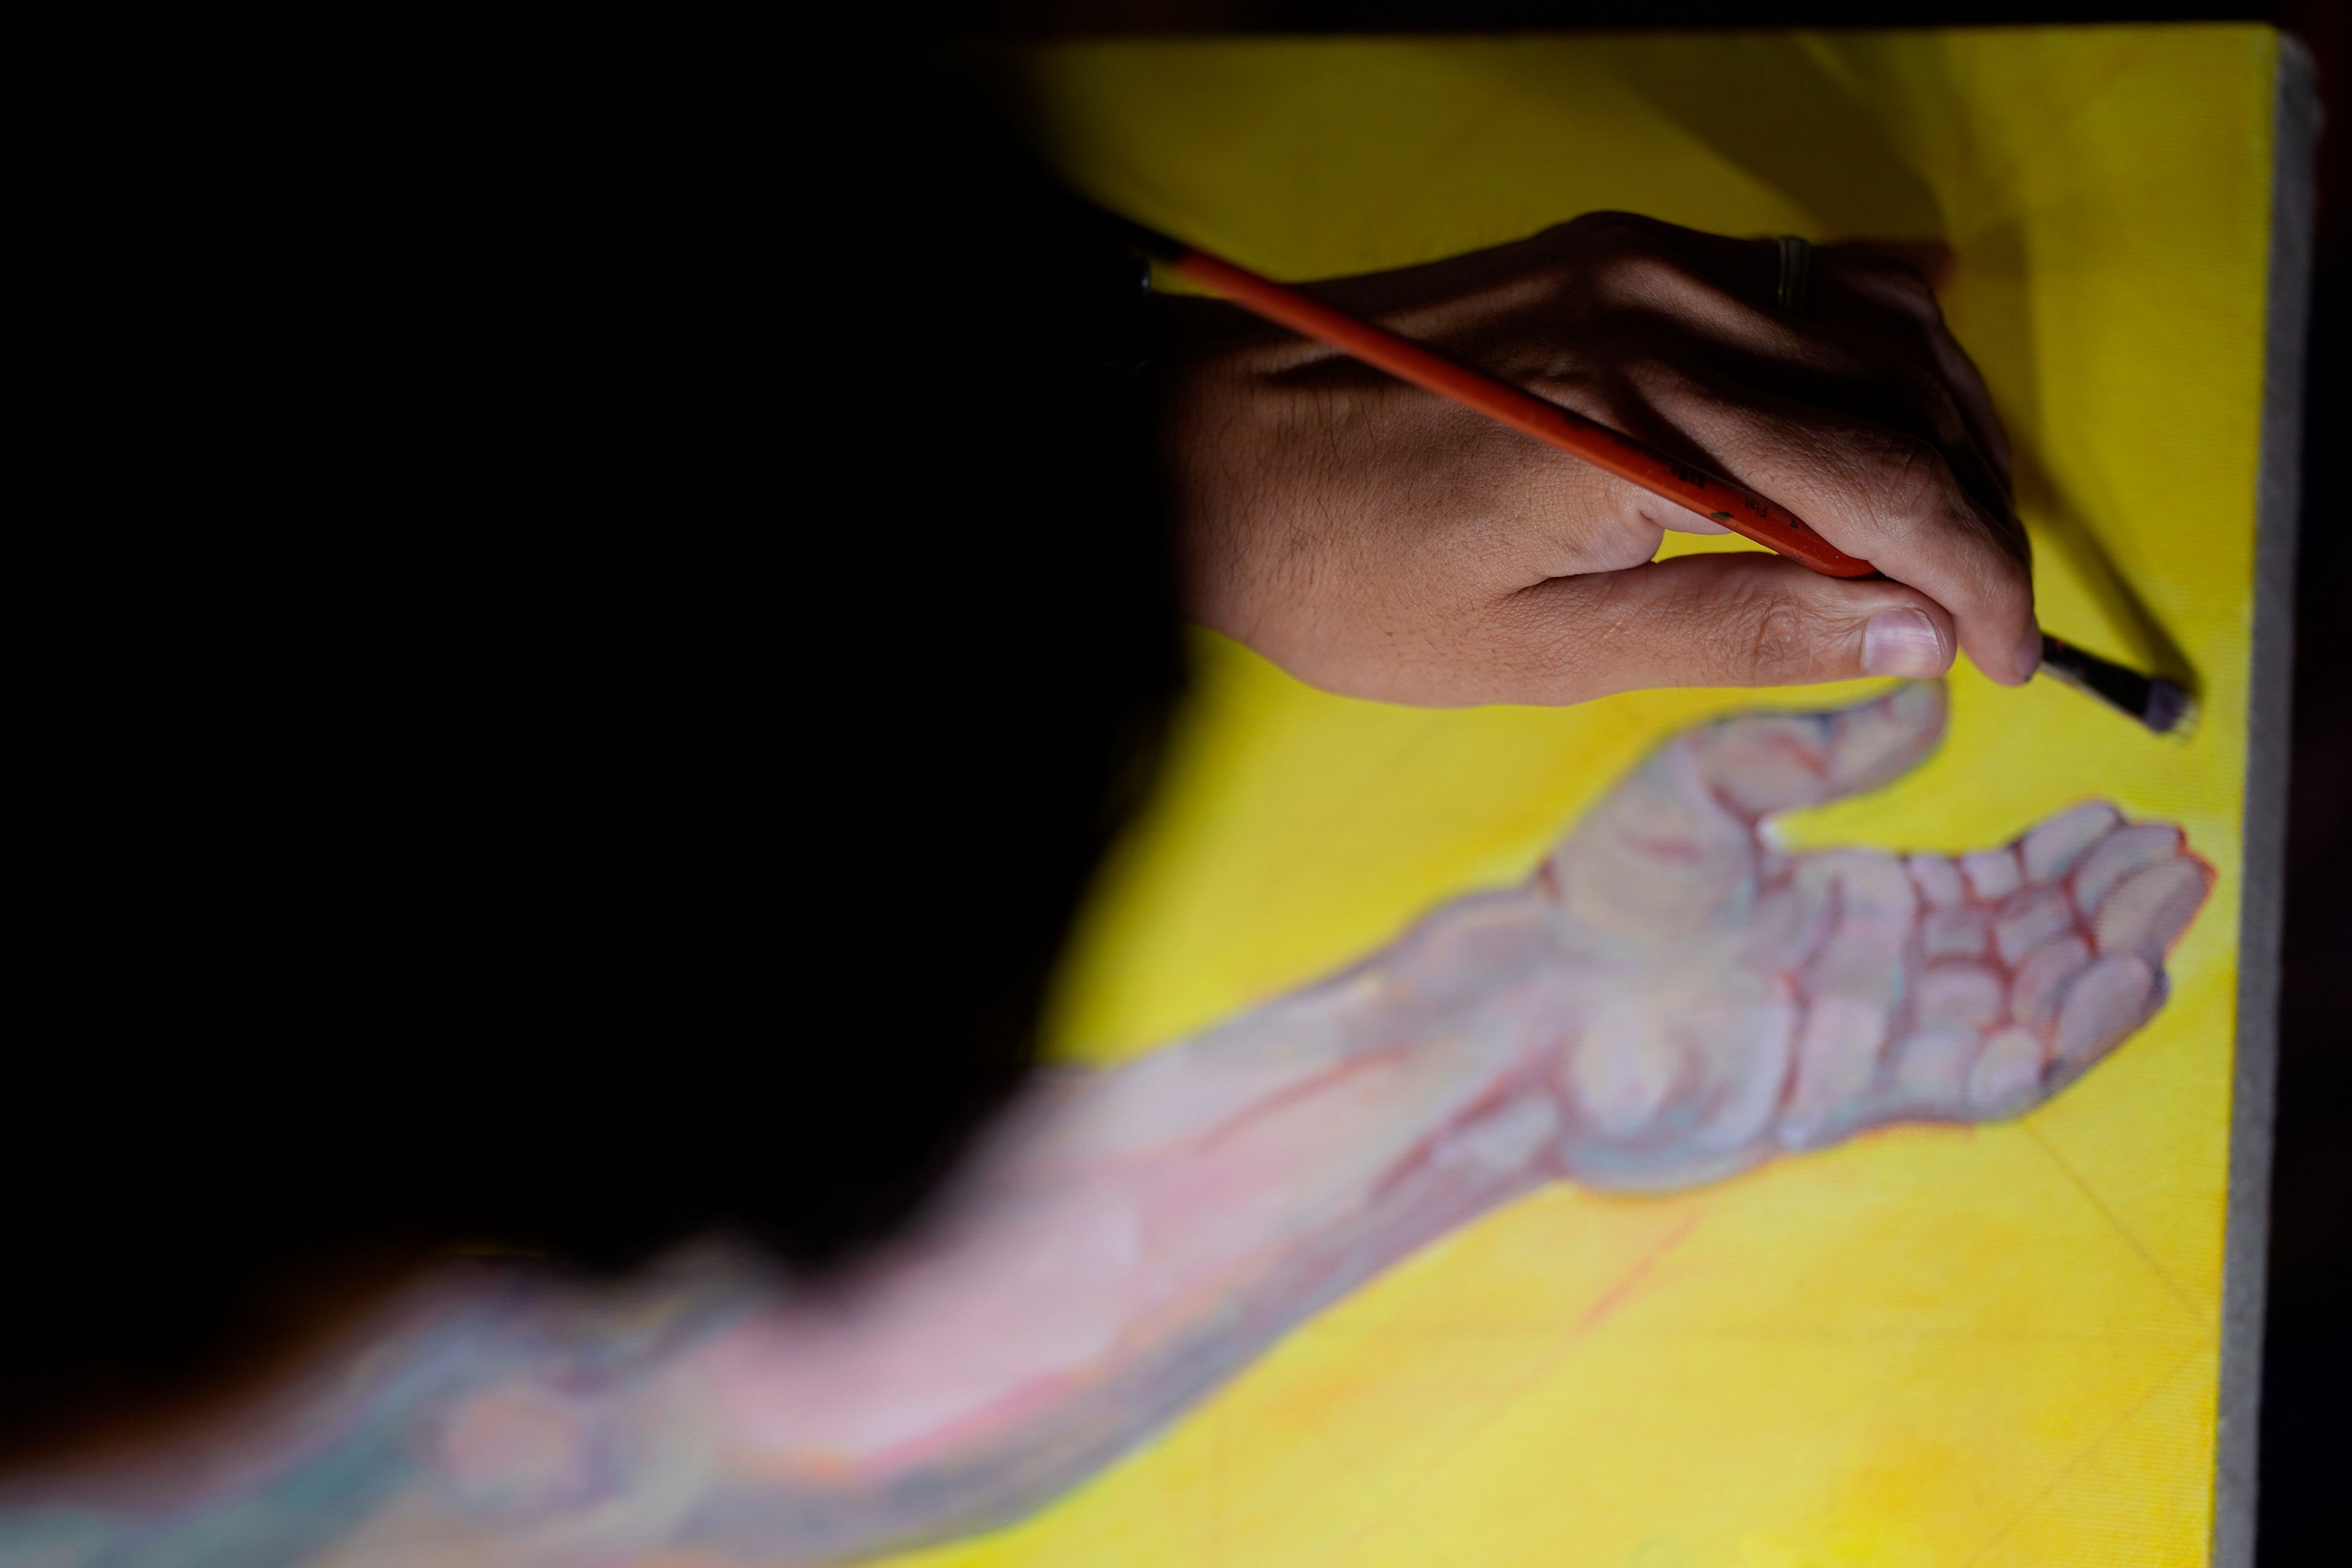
[{"x": 1796, "y": 273}]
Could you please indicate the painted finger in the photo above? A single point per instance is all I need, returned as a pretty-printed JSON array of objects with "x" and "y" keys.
[
  {"x": 1838, "y": 1051},
  {"x": 1962, "y": 992},
  {"x": 2040, "y": 983},
  {"x": 1931, "y": 1070},
  {"x": 1992, "y": 875},
  {"x": 2148, "y": 911},
  {"x": 1963, "y": 932},
  {"x": 2027, "y": 919},
  {"x": 2109, "y": 1000},
  {"x": 1938, "y": 882},
  {"x": 1851, "y": 990},
  {"x": 1671, "y": 849},
  {"x": 2054, "y": 848},
  {"x": 2032, "y": 960},
  {"x": 1760, "y": 763},
  {"x": 2122, "y": 853},
  {"x": 2006, "y": 1077}
]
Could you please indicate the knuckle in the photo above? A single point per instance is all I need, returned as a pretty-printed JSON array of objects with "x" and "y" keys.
[
  {"x": 1641, "y": 365},
  {"x": 1623, "y": 251},
  {"x": 1908, "y": 477},
  {"x": 1780, "y": 640},
  {"x": 1824, "y": 355},
  {"x": 1763, "y": 637},
  {"x": 2009, "y": 571},
  {"x": 1897, "y": 284},
  {"x": 1932, "y": 395},
  {"x": 1908, "y": 288},
  {"x": 1607, "y": 226},
  {"x": 1637, "y": 273}
]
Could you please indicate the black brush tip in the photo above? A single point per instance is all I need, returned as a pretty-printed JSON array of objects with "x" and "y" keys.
[
  {"x": 2164, "y": 706},
  {"x": 2171, "y": 710}
]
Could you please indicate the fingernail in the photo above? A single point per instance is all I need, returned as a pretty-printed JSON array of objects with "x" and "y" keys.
[
  {"x": 1902, "y": 642},
  {"x": 2029, "y": 655}
]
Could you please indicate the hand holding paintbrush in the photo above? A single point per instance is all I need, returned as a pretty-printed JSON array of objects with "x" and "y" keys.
[{"x": 1380, "y": 541}]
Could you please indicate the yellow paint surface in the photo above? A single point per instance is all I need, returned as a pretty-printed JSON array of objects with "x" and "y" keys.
[{"x": 1993, "y": 1346}]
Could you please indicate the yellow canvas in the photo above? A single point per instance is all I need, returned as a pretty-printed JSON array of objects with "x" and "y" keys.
[{"x": 1995, "y": 1344}]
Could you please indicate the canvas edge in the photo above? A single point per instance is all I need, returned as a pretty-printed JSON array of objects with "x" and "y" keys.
[{"x": 2294, "y": 139}]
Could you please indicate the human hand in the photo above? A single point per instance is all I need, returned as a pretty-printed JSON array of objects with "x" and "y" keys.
[{"x": 1380, "y": 541}]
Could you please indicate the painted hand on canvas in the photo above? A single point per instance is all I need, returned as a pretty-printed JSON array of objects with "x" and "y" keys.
[{"x": 1668, "y": 1000}]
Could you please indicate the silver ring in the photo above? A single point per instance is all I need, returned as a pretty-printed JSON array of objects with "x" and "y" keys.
[{"x": 1796, "y": 273}]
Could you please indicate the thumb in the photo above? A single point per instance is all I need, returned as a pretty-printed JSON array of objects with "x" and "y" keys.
[{"x": 1744, "y": 618}]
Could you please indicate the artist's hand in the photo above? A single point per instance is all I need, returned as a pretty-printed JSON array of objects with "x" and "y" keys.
[{"x": 1378, "y": 540}]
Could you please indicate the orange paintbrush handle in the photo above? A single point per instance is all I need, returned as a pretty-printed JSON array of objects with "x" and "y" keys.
[{"x": 1736, "y": 507}]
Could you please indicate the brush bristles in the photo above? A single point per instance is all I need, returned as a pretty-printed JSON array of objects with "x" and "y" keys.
[
  {"x": 2171, "y": 710},
  {"x": 2164, "y": 706}
]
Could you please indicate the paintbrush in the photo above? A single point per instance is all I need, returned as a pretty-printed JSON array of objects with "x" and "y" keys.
[{"x": 2164, "y": 706}]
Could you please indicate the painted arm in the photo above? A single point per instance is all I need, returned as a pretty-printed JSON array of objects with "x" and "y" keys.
[{"x": 1668, "y": 1001}]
